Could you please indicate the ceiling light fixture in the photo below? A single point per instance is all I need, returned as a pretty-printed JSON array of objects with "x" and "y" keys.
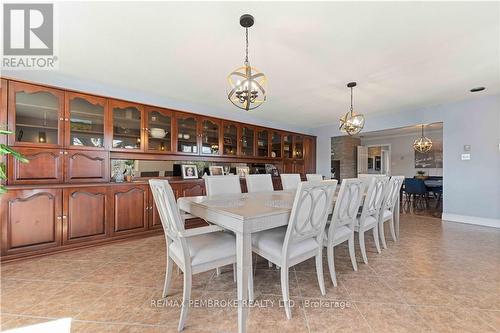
[
  {"x": 247, "y": 85},
  {"x": 422, "y": 144},
  {"x": 352, "y": 123}
]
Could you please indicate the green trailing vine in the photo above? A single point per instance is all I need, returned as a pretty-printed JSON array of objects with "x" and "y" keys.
[{"x": 6, "y": 150}]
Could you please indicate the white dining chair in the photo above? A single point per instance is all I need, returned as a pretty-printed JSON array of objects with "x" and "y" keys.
[
  {"x": 368, "y": 218},
  {"x": 387, "y": 208},
  {"x": 342, "y": 223},
  {"x": 259, "y": 183},
  {"x": 303, "y": 237},
  {"x": 193, "y": 251},
  {"x": 215, "y": 185},
  {"x": 313, "y": 177},
  {"x": 290, "y": 181}
]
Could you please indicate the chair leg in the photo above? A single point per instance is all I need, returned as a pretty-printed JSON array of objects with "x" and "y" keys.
[
  {"x": 362, "y": 245},
  {"x": 185, "y": 298},
  {"x": 391, "y": 226},
  {"x": 375, "y": 238},
  {"x": 381, "y": 233},
  {"x": 168, "y": 276},
  {"x": 331, "y": 264},
  {"x": 217, "y": 271},
  {"x": 234, "y": 272},
  {"x": 352, "y": 253},
  {"x": 285, "y": 290},
  {"x": 319, "y": 273}
]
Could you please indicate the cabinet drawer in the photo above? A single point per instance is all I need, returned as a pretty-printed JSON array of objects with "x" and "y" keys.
[
  {"x": 45, "y": 166},
  {"x": 86, "y": 166}
]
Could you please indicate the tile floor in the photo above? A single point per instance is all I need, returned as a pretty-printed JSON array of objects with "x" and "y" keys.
[{"x": 439, "y": 277}]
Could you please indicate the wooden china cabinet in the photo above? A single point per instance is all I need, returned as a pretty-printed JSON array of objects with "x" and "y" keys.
[{"x": 64, "y": 197}]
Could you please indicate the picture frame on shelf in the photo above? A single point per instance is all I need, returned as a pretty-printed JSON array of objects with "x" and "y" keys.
[
  {"x": 228, "y": 141},
  {"x": 216, "y": 170},
  {"x": 242, "y": 171},
  {"x": 189, "y": 171}
]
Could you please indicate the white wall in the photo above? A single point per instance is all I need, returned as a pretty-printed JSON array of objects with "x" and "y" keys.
[
  {"x": 402, "y": 153},
  {"x": 471, "y": 188}
]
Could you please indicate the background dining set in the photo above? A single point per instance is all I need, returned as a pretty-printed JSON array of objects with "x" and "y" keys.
[
  {"x": 309, "y": 216},
  {"x": 420, "y": 190}
]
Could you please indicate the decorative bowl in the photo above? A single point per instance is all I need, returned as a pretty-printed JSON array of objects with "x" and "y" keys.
[{"x": 158, "y": 133}]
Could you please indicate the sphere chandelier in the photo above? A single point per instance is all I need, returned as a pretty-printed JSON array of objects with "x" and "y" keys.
[
  {"x": 247, "y": 85},
  {"x": 422, "y": 144},
  {"x": 352, "y": 123}
]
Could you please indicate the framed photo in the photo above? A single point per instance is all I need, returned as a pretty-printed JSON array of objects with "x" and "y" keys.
[
  {"x": 216, "y": 171},
  {"x": 242, "y": 171},
  {"x": 189, "y": 171}
]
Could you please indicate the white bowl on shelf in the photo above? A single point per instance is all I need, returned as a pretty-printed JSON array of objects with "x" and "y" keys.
[{"x": 158, "y": 133}]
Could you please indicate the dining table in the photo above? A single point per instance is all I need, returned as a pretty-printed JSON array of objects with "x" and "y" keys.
[{"x": 245, "y": 214}]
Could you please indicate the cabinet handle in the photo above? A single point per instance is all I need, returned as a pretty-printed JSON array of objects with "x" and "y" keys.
[
  {"x": 65, "y": 153},
  {"x": 61, "y": 119},
  {"x": 61, "y": 152},
  {"x": 64, "y": 216},
  {"x": 59, "y": 217}
]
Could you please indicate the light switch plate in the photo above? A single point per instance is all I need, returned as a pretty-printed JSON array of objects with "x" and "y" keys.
[
  {"x": 466, "y": 147},
  {"x": 465, "y": 157}
]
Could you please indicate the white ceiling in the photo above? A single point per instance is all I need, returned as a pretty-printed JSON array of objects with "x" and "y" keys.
[{"x": 403, "y": 55}]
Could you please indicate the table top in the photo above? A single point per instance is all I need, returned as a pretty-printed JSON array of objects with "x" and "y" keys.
[{"x": 245, "y": 205}]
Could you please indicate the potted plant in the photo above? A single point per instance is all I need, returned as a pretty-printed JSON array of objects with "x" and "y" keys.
[
  {"x": 6, "y": 150},
  {"x": 129, "y": 164},
  {"x": 421, "y": 174}
]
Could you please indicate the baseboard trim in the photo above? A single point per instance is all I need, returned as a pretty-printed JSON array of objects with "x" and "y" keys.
[{"x": 494, "y": 223}]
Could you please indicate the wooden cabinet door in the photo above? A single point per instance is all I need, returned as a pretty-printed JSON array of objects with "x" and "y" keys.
[
  {"x": 262, "y": 142},
  {"x": 84, "y": 214},
  {"x": 247, "y": 140},
  {"x": 298, "y": 167},
  {"x": 186, "y": 133},
  {"x": 310, "y": 154},
  {"x": 230, "y": 141},
  {"x": 35, "y": 115},
  {"x": 130, "y": 203},
  {"x": 158, "y": 131},
  {"x": 287, "y": 145},
  {"x": 86, "y": 121},
  {"x": 31, "y": 220},
  {"x": 193, "y": 189},
  {"x": 86, "y": 166},
  {"x": 3, "y": 109},
  {"x": 276, "y": 144},
  {"x": 45, "y": 166},
  {"x": 154, "y": 221},
  {"x": 210, "y": 136},
  {"x": 298, "y": 147},
  {"x": 127, "y": 126}
]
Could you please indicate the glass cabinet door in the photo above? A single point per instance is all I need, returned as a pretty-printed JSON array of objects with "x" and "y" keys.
[
  {"x": 86, "y": 116},
  {"x": 210, "y": 136},
  {"x": 287, "y": 146},
  {"x": 37, "y": 114},
  {"x": 187, "y": 134},
  {"x": 159, "y": 130},
  {"x": 247, "y": 140},
  {"x": 230, "y": 139},
  {"x": 263, "y": 143},
  {"x": 299, "y": 146},
  {"x": 276, "y": 144},
  {"x": 127, "y": 125}
]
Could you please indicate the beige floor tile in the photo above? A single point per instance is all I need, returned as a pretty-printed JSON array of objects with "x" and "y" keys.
[
  {"x": 392, "y": 317},
  {"x": 446, "y": 319},
  {"x": 333, "y": 319}
]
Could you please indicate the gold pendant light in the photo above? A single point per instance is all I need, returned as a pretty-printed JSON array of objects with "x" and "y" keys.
[
  {"x": 352, "y": 123},
  {"x": 247, "y": 85},
  {"x": 422, "y": 144}
]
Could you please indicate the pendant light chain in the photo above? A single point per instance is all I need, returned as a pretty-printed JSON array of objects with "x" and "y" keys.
[
  {"x": 246, "y": 50},
  {"x": 351, "y": 102}
]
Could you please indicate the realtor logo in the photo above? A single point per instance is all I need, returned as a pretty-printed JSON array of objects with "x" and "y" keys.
[{"x": 28, "y": 29}]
